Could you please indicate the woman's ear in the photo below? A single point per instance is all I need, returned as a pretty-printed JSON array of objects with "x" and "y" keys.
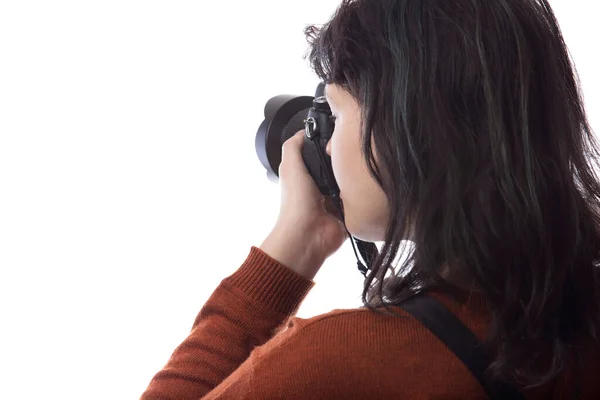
[{"x": 328, "y": 148}]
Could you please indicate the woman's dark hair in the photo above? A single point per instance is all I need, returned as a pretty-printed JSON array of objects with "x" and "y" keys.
[{"x": 486, "y": 155}]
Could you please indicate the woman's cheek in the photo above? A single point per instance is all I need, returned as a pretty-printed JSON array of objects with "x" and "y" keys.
[{"x": 336, "y": 160}]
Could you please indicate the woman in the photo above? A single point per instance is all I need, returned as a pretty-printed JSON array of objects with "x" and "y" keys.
[{"x": 459, "y": 127}]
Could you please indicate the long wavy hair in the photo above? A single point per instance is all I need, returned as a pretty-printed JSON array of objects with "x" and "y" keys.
[{"x": 487, "y": 158}]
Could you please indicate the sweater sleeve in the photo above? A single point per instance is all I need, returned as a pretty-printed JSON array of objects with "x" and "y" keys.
[{"x": 244, "y": 312}]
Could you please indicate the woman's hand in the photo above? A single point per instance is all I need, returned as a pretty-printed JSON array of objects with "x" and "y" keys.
[{"x": 305, "y": 233}]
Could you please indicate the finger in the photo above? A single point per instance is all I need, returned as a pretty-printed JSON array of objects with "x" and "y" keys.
[
  {"x": 292, "y": 148},
  {"x": 295, "y": 141},
  {"x": 331, "y": 208}
]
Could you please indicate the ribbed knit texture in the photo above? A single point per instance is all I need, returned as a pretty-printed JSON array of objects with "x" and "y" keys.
[{"x": 246, "y": 343}]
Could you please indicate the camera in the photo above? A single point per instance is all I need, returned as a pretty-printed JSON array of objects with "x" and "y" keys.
[{"x": 284, "y": 116}]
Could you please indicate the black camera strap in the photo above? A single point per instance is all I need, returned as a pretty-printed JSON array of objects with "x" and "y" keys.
[{"x": 459, "y": 339}]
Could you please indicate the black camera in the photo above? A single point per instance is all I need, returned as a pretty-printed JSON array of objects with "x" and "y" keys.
[{"x": 284, "y": 116}]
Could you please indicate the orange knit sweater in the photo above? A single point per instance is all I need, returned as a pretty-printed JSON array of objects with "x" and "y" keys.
[{"x": 246, "y": 343}]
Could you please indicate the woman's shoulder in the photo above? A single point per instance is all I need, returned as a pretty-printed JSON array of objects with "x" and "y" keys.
[
  {"x": 364, "y": 324},
  {"x": 361, "y": 353}
]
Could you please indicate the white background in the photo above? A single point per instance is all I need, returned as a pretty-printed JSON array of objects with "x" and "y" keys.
[{"x": 129, "y": 182}]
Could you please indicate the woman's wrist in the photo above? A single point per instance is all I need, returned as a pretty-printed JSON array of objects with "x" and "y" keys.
[{"x": 294, "y": 251}]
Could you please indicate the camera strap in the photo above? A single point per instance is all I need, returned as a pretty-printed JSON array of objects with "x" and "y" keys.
[{"x": 460, "y": 340}]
